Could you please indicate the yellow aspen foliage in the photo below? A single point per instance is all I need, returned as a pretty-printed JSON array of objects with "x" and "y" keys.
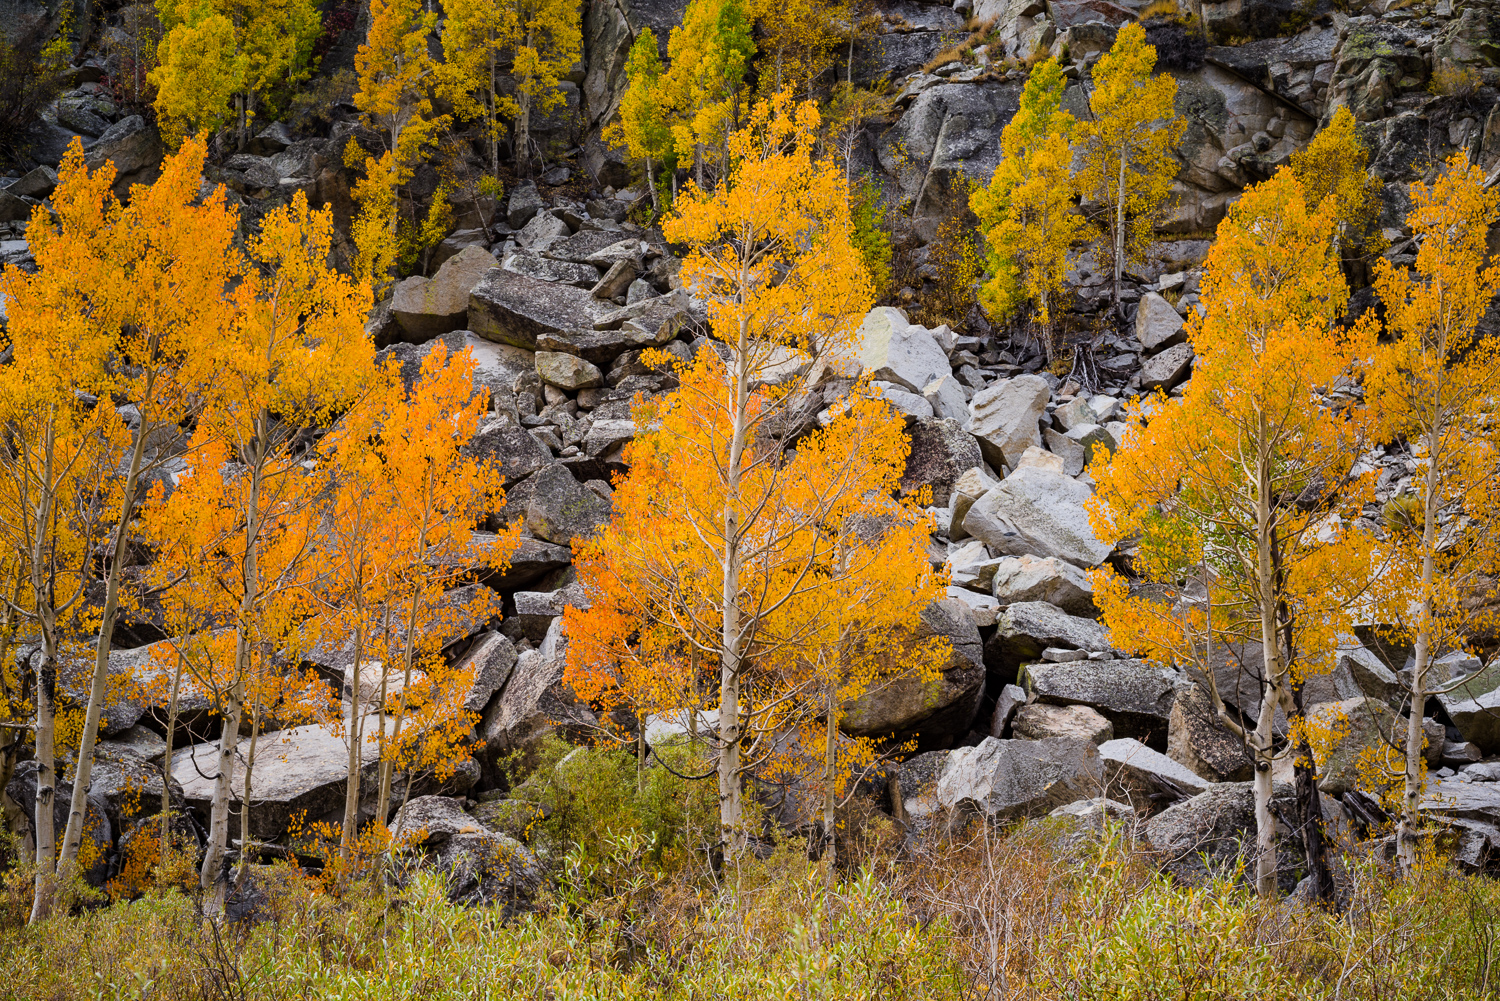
[
  {"x": 399, "y": 534},
  {"x": 1228, "y": 489},
  {"x": 263, "y": 47},
  {"x": 708, "y": 55},
  {"x": 476, "y": 36},
  {"x": 198, "y": 72},
  {"x": 1027, "y": 213},
  {"x": 1128, "y": 162},
  {"x": 549, "y": 41},
  {"x": 643, "y": 128},
  {"x": 797, "y": 41},
  {"x": 396, "y": 74},
  {"x": 294, "y": 355},
  {"x": 1335, "y": 164},
  {"x": 714, "y": 563},
  {"x": 1434, "y": 389}
]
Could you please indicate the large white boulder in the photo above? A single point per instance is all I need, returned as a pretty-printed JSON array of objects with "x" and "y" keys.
[
  {"x": 1006, "y": 418},
  {"x": 1036, "y": 512},
  {"x": 892, "y": 349}
]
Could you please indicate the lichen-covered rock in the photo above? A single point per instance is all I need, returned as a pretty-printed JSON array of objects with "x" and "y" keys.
[
  {"x": 1006, "y": 779},
  {"x": 1057, "y": 582},
  {"x": 561, "y": 509},
  {"x": 941, "y": 451},
  {"x": 1200, "y": 742},
  {"x": 937, "y": 708},
  {"x": 1026, "y": 628},
  {"x": 1132, "y": 694},
  {"x": 1035, "y": 512},
  {"x": 567, "y": 371},
  {"x": 481, "y": 866},
  {"x": 425, "y": 308},
  {"x": 1038, "y": 722},
  {"x": 514, "y": 309},
  {"x": 1005, "y": 418}
]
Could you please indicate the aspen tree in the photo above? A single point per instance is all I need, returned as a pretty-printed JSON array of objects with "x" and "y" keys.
[
  {"x": 1434, "y": 388},
  {"x": 1217, "y": 483},
  {"x": 1027, "y": 213},
  {"x": 163, "y": 263},
  {"x": 400, "y": 533},
  {"x": 295, "y": 353},
  {"x": 797, "y": 38},
  {"x": 708, "y": 55},
  {"x": 1128, "y": 164},
  {"x": 476, "y": 35},
  {"x": 720, "y": 534},
  {"x": 642, "y": 126},
  {"x": 396, "y": 74},
  {"x": 1335, "y": 164},
  {"x": 549, "y": 40},
  {"x": 198, "y": 72}
]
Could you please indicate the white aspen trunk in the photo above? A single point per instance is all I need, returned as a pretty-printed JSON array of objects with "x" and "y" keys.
[
  {"x": 830, "y": 798},
  {"x": 46, "y": 753},
  {"x": 166, "y": 761},
  {"x": 1120, "y": 228},
  {"x": 731, "y": 804},
  {"x": 387, "y": 764},
  {"x": 1411, "y": 792},
  {"x": 78, "y": 803},
  {"x": 351, "y": 786},
  {"x": 494, "y": 116},
  {"x": 1274, "y": 670},
  {"x": 239, "y": 883},
  {"x": 218, "y": 827}
]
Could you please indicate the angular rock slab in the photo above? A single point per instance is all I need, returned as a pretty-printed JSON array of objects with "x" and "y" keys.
[
  {"x": 893, "y": 349},
  {"x": 1157, "y": 324},
  {"x": 1147, "y": 778},
  {"x": 561, "y": 509},
  {"x": 514, "y": 309},
  {"x": 1132, "y": 694},
  {"x": 1005, "y": 418},
  {"x": 941, "y": 452},
  {"x": 1027, "y": 578},
  {"x": 480, "y": 866},
  {"x": 425, "y": 308},
  {"x": 1035, "y": 512},
  {"x": 1198, "y": 741},
  {"x": 1038, "y": 722},
  {"x": 937, "y": 708},
  {"x": 1006, "y": 779},
  {"x": 1026, "y": 628}
]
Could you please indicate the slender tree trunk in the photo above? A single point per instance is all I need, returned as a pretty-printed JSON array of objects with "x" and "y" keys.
[
  {"x": 830, "y": 799},
  {"x": 245, "y": 844},
  {"x": 46, "y": 687},
  {"x": 166, "y": 763},
  {"x": 351, "y": 787},
  {"x": 1412, "y": 782},
  {"x": 494, "y": 116},
  {"x": 731, "y": 665},
  {"x": 388, "y": 764},
  {"x": 1265, "y": 827},
  {"x": 651, "y": 183},
  {"x": 46, "y": 778},
  {"x": 78, "y": 804},
  {"x": 218, "y": 828},
  {"x": 1119, "y": 231}
]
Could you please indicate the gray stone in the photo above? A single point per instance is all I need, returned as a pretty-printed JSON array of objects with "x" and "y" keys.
[
  {"x": 541, "y": 232},
  {"x": 1093, "y": 813},
  {"x": 1005, "y": 416},
  {"x": 1034, "y": 512},
  {"x": 1157, "y": 325},
  {"x": 1026, "y": 628},
  {"x": 1166, "y": 370},
  {"x": 301, "y": 770},
  {"x": 1037, "y": 721},
  {"x": 604, "y": 436},
  {"x": 1029, "y": 578},
  {"x": 1200, "y": 742},
  {"x": 1067, "y": 450},
  {"x": 972, "y": 484},
  {"x": 615, "y": 281},
  {"x": 491, "y": 657},
  {"x": 567, "y": 371},
  {"x": 1370, "y": 674},
  {"x": 536, "y": 610},
  {"x": 1207, "y": 835},
  {"x": 518, "y": 452},
  {"x": 914, "y": 787},
  {"x": 892, "y": 349},
  {"x": 534, "y": 265},
  {"x": 631, "y": 250},
  {"x": 426, "y": 308},
  {"x": 535, "y": 702},
  {"x": 530, "y": 561},
  {"x": 945, "y": 706},
  {"x": 947, "y": 398},
  {"x": 38, "y": 182},
  {"x": 581, "y": 246},
  {"x": 513, "y": 309},
  {"x": 77, "y": 116},
  {"x": 940, "y": 453},
  {"x": 911, "y": 406},
  {"x": 480, "y": 866},
  {"x": 98, "y": 832},
  {"x": 1071, "y": 414},
  {"x": 562, "y": 509},
  {"x": 1005, "y": 779},
  {"x": 1478, "y": 720},
  {"x": 1132, "y": 694},
  {"x": 1011, "y": 699},
  {"x": 524, "y": 203},
  {"x": 1144, "y": 776},
  {"x": 131, "y": 145}
]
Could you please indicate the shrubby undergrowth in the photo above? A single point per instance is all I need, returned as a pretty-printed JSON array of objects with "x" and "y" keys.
[{"x": 635, "y": 912}]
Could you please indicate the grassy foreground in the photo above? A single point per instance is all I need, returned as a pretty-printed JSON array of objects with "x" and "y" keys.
[{"x": 1037, "y": 911}]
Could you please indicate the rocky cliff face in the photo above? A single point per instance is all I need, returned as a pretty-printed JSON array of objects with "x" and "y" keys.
[{"x": 557, "y": 294}]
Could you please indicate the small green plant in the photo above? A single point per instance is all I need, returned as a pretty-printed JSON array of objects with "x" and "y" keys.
[
  {"x": 1449, "y": 80},
  {"x": 870, "y": 236}
]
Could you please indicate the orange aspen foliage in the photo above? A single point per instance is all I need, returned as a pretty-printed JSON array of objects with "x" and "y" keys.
[
  {"x": 294, "y": 354},
  {"x": 398, "y": 534},
  {"x": 1230, "y": 489},
  {"x": 724, "y": 542},
  {"x": 1434, "y": 388}
]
